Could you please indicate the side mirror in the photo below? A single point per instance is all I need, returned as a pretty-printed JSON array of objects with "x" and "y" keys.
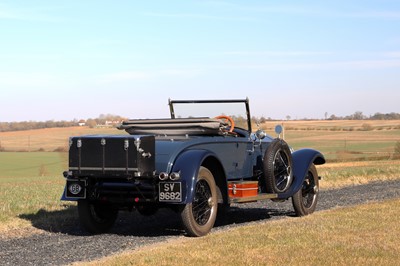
[{"x": 278, "y": 130}]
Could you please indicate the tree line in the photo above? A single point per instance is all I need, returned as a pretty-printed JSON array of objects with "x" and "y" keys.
[
  {"x": 103, "y": 119},
  {"x": 360, "y": 116}
]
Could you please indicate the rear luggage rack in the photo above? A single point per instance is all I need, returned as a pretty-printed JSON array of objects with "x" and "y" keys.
[{"x": 116, "y": 155}]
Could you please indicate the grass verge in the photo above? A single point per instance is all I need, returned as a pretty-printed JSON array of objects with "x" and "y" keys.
[
  {"x": 29, "y": 203},
  {"x": 337, "y": 175},
  {"x": 361, "y": 235}
]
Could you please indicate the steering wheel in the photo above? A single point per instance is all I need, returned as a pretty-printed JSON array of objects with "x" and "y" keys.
[{"x": 229, "y": 119}]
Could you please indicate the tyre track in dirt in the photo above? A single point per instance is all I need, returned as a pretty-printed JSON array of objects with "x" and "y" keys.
[{"x": 132, "y": 231}]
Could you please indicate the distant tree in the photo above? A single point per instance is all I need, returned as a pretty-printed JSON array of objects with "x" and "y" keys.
[
  {"x": 257, "y": 120},
  {"x": 326, "y": 115},
  {"x": 288, "y": 117},
  {"x": 356, "y": 116},
  {"x": 240, "y": 121},
  {"x": 390, "y": 116},
  {"x": 91, "y": 123},
  {"x": 333, "y": 117}
]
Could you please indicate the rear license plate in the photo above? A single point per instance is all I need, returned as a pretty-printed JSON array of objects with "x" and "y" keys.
[{"x": 170, "y": 192}]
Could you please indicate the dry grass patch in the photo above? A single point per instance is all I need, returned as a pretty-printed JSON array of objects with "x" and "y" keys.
[
  {"x": 337, "y": 175},
  {"x": 361, "y": 235},
  {"x": 335, "y": 125},
  {"x": 48, "y": 139},
  {"x": 17, "y": 228}
]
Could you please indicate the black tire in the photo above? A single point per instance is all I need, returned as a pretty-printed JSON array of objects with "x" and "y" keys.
[
  {"x": 305, "y": 200},
  {"x": 278, "y": 172},
  {"x": 96, "y": 218},
  {"x": 198, "y": 217}
]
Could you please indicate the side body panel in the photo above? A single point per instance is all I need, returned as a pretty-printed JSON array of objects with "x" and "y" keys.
[
  {"x": 302, "y": 160},
  {"x": 235, "y": 154}
]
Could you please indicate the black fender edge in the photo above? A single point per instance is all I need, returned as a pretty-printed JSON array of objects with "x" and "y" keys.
[
  {"x": 188, "y": 164},
  {"x": 302, "y": 160}
]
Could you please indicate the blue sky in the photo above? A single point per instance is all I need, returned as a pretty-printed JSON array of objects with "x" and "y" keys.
[{"x": 79, "y": 59}]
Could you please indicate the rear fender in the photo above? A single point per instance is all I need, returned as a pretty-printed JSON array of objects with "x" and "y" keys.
[
  {"x": 302, "y": 160},
  {"x": 188, "y": 164}
]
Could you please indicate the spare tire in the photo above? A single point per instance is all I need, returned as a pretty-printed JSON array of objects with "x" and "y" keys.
[{"x": 278, "y": 172}]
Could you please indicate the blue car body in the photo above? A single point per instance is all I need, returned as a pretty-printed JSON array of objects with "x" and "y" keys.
[{"x": 176, "y": 151}]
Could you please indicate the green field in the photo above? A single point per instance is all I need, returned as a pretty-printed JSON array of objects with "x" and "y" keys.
[
  {"x": 357, "y": 145},
  {"x": 30, "y": 182},
  {"x": 343, "y": 140},
  {"x": 31, "y": 164}
]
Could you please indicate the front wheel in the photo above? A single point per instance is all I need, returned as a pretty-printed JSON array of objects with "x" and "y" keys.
[
  {"x": 198, "y": 217},
  {"x": 96, "y": 218},
  {"x": 305, "y": 200}
]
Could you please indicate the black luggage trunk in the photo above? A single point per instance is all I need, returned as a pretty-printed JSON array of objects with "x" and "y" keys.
[{"x": 108, "y": 156}]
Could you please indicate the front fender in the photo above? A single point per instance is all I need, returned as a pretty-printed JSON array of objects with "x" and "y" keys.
[
  {"x": 188, "y": 164},
  {"x": 302, "y": 160}
]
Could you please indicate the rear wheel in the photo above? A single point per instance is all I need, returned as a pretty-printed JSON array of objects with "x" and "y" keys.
[
  {"x": 96, "y": 218},
  {"x": 199, "y": 216},
  {"x": 278, "y": 167},
  {"x": 305, "y": 200}
]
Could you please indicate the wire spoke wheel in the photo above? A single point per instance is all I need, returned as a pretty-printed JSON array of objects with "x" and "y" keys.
[
  {"x": 278, "y": 167},
  {"x": 198, "y": 217},
  {"x": 282, "y": 170},
  {"x": 201, "y": 203},
  {"x": 308, "y": 191},
  {"x": 305, "y": 200}
]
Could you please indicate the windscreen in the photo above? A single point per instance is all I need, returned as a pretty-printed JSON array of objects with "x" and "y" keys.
[{"x": 236, "y": 110}]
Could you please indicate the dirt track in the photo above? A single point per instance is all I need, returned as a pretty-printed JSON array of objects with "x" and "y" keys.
[{"x": 132, "y": 231}]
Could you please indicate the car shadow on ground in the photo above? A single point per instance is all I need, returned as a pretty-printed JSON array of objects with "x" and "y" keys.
[{"x": 164, "y": 223}]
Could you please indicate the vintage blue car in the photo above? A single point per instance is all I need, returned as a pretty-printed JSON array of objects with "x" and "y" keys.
[{"x": 198, "y": 162}]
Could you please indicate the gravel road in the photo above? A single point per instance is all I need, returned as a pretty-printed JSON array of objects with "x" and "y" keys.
[{"x": 71, "y": 244}]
